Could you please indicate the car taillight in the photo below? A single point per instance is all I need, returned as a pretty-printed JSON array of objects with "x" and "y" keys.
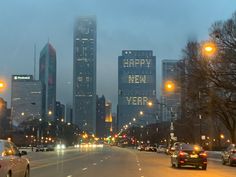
[
  {"x": 203, "y": 154},
  {"x": 181, "y": 153}
]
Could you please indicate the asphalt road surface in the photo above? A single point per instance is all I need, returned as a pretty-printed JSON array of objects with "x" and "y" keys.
[{"x": 115, "y": 162}]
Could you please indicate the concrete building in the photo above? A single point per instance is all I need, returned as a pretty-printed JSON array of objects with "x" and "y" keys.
[
  {"x": 47, "y": 75},
  {"x": 26, "y": 99},
  {"x": 136, "y": 86},
  {"x": 84, "y": 74}
]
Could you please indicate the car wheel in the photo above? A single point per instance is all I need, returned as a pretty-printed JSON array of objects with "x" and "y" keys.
[
  {"x": 27, "y": 174},
  {"x": 204, "y": 167}
]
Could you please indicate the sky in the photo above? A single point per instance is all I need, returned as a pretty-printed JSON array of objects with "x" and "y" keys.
[{"x": 163, "y": 26}]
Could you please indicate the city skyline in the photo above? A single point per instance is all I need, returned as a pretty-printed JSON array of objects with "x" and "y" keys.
[{"x": 164, "y": 34}]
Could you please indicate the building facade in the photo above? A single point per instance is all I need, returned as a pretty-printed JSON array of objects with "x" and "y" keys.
[
  {"x": 26, "y": 99},
  {"x": 84, "y": 74},
  {"x": 101, "y": 115},
  {"x": 60, "y": 111},
  {"x": 136, "y": 86},
  {"x": 47, "y": 75},
  {"x": 3, "y": 118},
  {"x": 171, "y": 100}
]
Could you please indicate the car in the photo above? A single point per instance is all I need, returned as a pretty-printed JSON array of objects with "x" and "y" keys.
[
  {"x": 189, "y": 154},
  {"x": 141, "y": 147},
  {"x": 172, "y": 147},
  {"x": 229, "y": 155},
  {"x": 161, "y": 149},
  {"x": 50, "y": 147},
  {"x": 40, "y": 148},
  {"x": 12, "y": 162}
]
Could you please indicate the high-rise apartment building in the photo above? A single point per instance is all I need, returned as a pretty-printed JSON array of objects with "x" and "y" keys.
[
  {"x": 26, "y": 99},
  {"x": 136, "y": 86},
  {"x": 84, "y": 74},
  {"x": 170, "y": 73},
  {"x": 47, "y": 75}
]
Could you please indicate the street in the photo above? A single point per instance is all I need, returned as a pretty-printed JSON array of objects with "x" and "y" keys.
[{"x": 116, "y": 162}]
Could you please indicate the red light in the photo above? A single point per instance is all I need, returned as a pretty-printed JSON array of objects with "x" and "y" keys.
[
  {"x": 124, "y": 136},
  {"x": 181, "y": 153},
  {"x": 203, "y": 154},
  {"x": 116, "y": 136}
]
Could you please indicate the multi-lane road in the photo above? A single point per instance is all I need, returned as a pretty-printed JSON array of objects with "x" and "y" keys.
[{"x": 115, "y": 162}]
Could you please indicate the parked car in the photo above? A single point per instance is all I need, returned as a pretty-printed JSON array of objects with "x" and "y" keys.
[
  {"x": 141, "y": 147},
  {"x": 40, "y": 148},
  {"x": 12, "y": 162},
  {"x": 161, "y": 149},
  {"x": 189, "y": 154},
  {"x": 229, "y": 155}
]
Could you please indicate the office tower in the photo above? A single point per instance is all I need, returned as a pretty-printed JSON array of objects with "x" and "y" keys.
[
  {"x": 47, "y": 75},
  {"x": 60, "y": 111},
  {"x": 136, "y": 86},
  {"x": 84, "y": 74},
  {"x": 171, "y": 99},
  {"x": 101, "y": 115},
  {"x": 26, "y": 99}
]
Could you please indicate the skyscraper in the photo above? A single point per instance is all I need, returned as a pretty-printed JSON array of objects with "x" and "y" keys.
[
  {"x": 170, "y": 72},
  {"x": 26, "y": 98},
  {"x": 136, "y": 86},
  {"x": 84, "y": 74},
  {"x": 47, "y": 75}
]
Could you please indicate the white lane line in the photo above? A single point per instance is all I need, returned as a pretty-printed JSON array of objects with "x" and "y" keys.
[
  {"x": 140, "y": 169},
  {"x": 94, "y": 164},
  {"x": 101, "y": 160},
  {"x": 84, "y": 169},
  {"x": 69, "y": 176},
  {"x": 142, "y": 176}
]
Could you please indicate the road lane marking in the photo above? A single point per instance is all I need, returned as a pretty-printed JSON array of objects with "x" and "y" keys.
[
  {"x": 140, "y": 169},
  {"x": 101, "y": 160},
  {"x": 94, "y": 163},
  {"x": 84, "y": 169},
  {"x": 69, "y": 176}
]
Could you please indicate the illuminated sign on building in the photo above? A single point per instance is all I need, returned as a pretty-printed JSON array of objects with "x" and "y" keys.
[
  {"x": 135, "y": 63},
  {"x": 136, "y": 83},
  {"x": 22, "y": 77}
]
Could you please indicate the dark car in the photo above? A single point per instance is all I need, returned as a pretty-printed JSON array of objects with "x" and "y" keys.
[
  {"x": 229, "y": 155},
  {"x": 189, "y": 154}
]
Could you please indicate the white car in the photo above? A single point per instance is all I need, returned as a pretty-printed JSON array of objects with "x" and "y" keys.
[{"x": 12, "y": 164}]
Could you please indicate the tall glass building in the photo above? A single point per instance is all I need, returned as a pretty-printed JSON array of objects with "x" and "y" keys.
[
  {"x": 47, "y": 75},
  {"x": 84, "y": 74},
  {"x": 136, "y": 86},
  {"x": 170, "y": 72},
  {"x": 26, "y": 99}
]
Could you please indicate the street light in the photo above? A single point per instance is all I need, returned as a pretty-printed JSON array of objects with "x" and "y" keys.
[
  {"x": 3, "y": 85},
  {"x": 169, "y": 86},
  {"x": 209, "y": 49}
]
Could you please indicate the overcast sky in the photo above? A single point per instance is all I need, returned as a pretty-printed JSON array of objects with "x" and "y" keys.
[{"x": 163, "y": 26}]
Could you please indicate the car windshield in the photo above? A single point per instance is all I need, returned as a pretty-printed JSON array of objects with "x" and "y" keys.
[{"x": 118, "y": 88}]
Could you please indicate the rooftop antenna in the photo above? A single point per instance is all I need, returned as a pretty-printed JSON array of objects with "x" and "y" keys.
[{"x": 34, "y": 61}]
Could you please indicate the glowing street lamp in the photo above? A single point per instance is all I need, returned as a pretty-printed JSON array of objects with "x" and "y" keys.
[
  {"x": 209, "y": 49},
  {"x": 169, "y": 86},
  {"x": 150, "y": 104},
  {"x": 2, "y": 85},
  {"x": 141, "y": 113},
  {"x": 49, "y": 113}
]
